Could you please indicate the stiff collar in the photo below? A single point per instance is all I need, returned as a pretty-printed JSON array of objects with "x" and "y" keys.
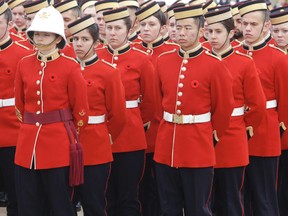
[
  {"x": 255, "y": 46},
  {"x": 191, "y": 53},
  {"x": 49, "y": 57},
  {"x": 268, "y": 37},
  {"x": 133, "y": 36},
  {"x": 102, "y": 40},
  {"x": 166, "y": 37},
  {"x": 158, "y": 42},
  {"x": 20, "y": 30},
  {"x": 87, "y": 62},
  {"x": 125, "y": 48},
  {"x": 225, "y": 53},
  {"x": 6, "y": 43}
]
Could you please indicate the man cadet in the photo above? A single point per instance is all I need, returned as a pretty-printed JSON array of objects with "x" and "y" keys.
[
  {"x": 10, "y": 54},
  {"x": 279, "y": 20},
  {"x": 70, "y": 11},
  {"x": 17, "y": 32},
  {"x": 195, "y": 101},
  {"x": 264, "y": 146}
]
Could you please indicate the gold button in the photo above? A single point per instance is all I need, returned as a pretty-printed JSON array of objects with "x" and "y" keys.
[
  {"x": 42, "y": 64},
  {"x": 250, "y": 53},
  {"x": 37, "y": 124},
  {"x": 180, "y": 94},
  {"x": 115, "y": 57},
  {"x": 38, "y": 92},
  {"x": 148, "y": 51},
  {"x": 185, "y": 61},
  {"x": 115, "y": 65},
  {"x": 80, "y": 123},
  {"x": 182, "y": 76},
  {"x": 38, "y": 112},
  {"x": 183, "y": 69},
  {"x": 40, "y": 72},
  {"x": 180, "y": 85},
  {"x": 178, "y": 103},
  {"x": 178, "y": 112},
  {"x": 38, "y": 102},
  {"x": 38, "y": 82}
]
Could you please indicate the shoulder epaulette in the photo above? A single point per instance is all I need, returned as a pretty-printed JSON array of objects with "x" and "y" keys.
[
  {"x": 20, "y": 37},
  {"x": 140, "y": 51},
  {"x": 210, "y": 54},
  {"x": 238, "y": 45},
  {"x": 277, "y": 48},
  {"x": 171, "y": 43},
  {"x": 108, "y": 63},
  {"x": 139, "y": 42},
  {"x": 33, "y": 54},
  {"x": 167, "y": 52},
  {"x": 205, "y": 48},
  {"x": 68, "y": 57},
  {"x": 18, "y": 44},
  {"x": 242, "y": 54}
]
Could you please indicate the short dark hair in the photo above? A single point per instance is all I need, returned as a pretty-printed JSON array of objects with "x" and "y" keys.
[
  {"x": 228, "y": 24},
  {"x": 94, "y": 31},
  {"x": 161, "y": 17},
  {"x": 7, "y": 15},
  {"x": 199, "y": 21},
  {"x": 128, "y": 23}
]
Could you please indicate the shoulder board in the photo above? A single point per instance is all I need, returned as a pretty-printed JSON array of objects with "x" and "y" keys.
[
  {"x": 33, "y": 54},
  {"x": 139, "y": 42},
  {"x": 210, "y": 54},
  {"x": 171, "y": 51},
  {"x": 140, "y": 51},
  {"x": 238, "y": 45},
  {"x": 171, "y": 43},
  {"x": 20, "y": 37},
  {"x": 277, "y": 48},
  {"x": 68, "y": 57},
  {"x": 242, "y": 54},
  {"x": 205, "y": 48},
  {"x": 18, "y": 44},
  {"x": 108, "y": 63}
]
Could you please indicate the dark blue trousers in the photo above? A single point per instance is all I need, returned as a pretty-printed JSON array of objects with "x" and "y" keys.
[{"x": 283, "y": 183}]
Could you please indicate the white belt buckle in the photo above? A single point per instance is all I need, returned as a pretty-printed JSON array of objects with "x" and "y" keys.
[
  {"x": 1, "y": 103},
  {"x": 178, "y": 119}
]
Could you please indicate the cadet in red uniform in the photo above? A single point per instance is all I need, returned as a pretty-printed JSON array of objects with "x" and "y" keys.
[
  {"x": 10, "y": 54},
  {"x": 152, "y": 26},
  {"x": 137, "y": 74},
  {"x": 232, "y": 150},
  {"x": 279, "y": 30},
  {"x": 50, "y": 97},
  {"x": 195, "y": 101},
  {"x": 17, "y": 32},
  {"x": 70, "y": 12},
  {"x": 106, "y": 115},
  {"x": 264, "y": 146}
]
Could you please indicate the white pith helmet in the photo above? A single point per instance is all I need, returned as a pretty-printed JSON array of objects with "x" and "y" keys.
[{"x": 48, "y": 20}]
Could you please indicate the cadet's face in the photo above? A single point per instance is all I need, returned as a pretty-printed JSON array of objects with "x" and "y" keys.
[
  {"x": 280, "y": 34},
  {"x": 253, "y": 26},
  {"x": 172, "y": 29},
  {"x": 116, "y": 33},
  {"x": 4, "y": 27},
  {"x": 83, "y": 44},
  {"x": 46, "y": 42},
  {"x": 101, "y": 23},
  {"x": 90, "y": 11},
  {"x": 219, "y": 38},
  {"x": 19, "y": 16},
  {"x": 187, "y": 33},
  {"x": 238, "y": 26},
  {"x": 150, "y": 29},
  {"x": 68, "y": 17}
]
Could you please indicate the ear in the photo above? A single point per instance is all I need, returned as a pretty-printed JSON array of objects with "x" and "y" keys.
[
  {"x": 201, "y": 32},
  {"x": 266, "y": 26},
  {"x": 10, "y": 24},
  {"x": 58, "y": 39},
  {"x": 130, "y": 31},
  {"x": 163, "y": 30},
  {"x": 96, "y": 43},
  {"x": 231, "y": 34}
]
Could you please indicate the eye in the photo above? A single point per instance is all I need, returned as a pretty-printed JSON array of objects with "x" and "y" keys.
[{"x": 75, "y": 38}]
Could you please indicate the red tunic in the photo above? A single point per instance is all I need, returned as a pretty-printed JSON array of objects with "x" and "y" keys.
[
  {"x": 273, "y": 71},
  {"x": 232, "y": 149},
  {"x": 194, "y": 83},
  {"x": 154, "y": 50},
  {"x": 137, "y": 74},
  {"x": 43, "y": 84},
  {"x": 105, "y": 97},
  {"x": 15, "y": 35},
  {"x": 10, "y": 55},
  {"x": 69, "y": 51}
]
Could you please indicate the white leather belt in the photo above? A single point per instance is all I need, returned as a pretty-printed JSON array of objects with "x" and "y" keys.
[
  {"x": 271, "y": 104},
  {"x": 239, "y": 111},
  {"x": 7, "y": 102},
  {"x": 96, "y": 119},
  {"x": 131, "y": 104},
  {"x": 186, "y": 119}
]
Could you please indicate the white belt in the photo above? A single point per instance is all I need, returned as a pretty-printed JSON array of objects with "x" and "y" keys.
[
  {"x": 239, "y": 111},
  {"x": 96, "y": 119},
  {"x": 7, "y": 102},
  {"x": 271, "y": 104},
  {"x": 131, "y": 104},
  {"x": 186, "y": 119}
]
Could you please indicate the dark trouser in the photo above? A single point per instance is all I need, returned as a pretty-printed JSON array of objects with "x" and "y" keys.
[
  {"x": 39, "y": 190},
  {"x": 148, "y": 192},
  {"x": 7, "y": 169},
  {"x": 188, "y": 188},
  {"x": 283, "y": 183},
  {"x": 93, "y": 192},
  {"x": 227, "y": 191},
  {"x": 123, "y": 185},
  {"x": 260, "y": 194}
]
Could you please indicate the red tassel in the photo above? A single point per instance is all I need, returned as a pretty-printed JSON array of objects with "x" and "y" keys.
[{"x": 76, "y": 165}]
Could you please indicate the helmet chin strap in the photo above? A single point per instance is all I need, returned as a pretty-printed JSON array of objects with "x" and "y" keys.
[{"x": 44, "y": 46}]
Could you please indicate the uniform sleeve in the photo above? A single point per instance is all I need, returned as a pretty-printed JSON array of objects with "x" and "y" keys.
[
  {"x": 19, "y": 93},
  {"x": 158, "y": 94},
  {"x": 78, "y": 97},
  {"x": 222, "y": 100},
  {"x": 147, "y": 84},
  {"x": 281, "y": 89},
  {"x": 254, "y": 97},
  {"x": 115, "y": 104}
]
